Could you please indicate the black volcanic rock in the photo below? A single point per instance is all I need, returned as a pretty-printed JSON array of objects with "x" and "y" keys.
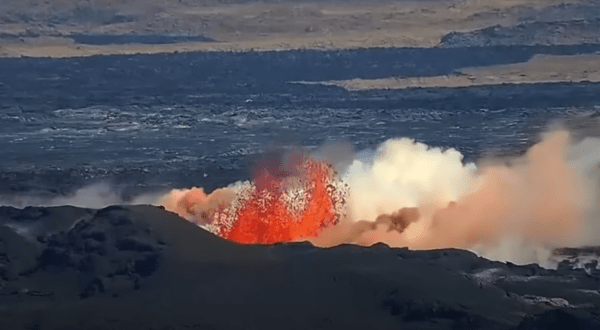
[
  {"x": 526, "y": 33},
  {"x": 141, "y": 267},
  {"x": 558, "y": 319},
  {"x": 17, "y": 255},
  {"x": 42, "y": 221},
  {"x": 105, "y": 247}
]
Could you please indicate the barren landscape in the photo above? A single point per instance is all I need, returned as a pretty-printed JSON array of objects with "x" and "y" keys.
[
  {"x": 32, "y": 28},
  {"x": 539, "y": 70},
  {"x": 144, "y": 268},
  {"x": 287, "y": 164}
]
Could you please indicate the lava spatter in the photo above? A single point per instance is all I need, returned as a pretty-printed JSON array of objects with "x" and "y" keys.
[{"x": 283, "y": 209}]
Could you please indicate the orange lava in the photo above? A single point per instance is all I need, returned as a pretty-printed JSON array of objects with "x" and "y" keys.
[{"x": 269, "y": 215}]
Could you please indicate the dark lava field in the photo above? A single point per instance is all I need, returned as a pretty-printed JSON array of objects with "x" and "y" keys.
[{"x": 148, "y": 123}]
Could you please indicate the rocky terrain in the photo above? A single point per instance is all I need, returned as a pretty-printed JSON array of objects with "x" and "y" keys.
[
  {"x": 560, "y": 24},
  {"x": 72, "y": 28},
  {"x": 140, "y": 267},
  {"x": 540, "y": 69}
]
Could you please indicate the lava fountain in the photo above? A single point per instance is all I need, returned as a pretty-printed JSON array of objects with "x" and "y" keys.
[
  {"x": 409, "y": 194},
  {"x": 274, "y": 208}
]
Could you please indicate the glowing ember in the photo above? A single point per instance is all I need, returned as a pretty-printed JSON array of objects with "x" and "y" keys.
[{"x": 280, "y": 209}]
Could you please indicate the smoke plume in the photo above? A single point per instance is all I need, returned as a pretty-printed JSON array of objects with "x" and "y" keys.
[{"x": 406, "y": 194}]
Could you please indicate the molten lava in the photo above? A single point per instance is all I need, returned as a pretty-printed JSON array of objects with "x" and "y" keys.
[{"x": 280, "y": 209}]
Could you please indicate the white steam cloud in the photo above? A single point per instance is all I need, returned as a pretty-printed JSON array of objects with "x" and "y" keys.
[
  {"x": 94, "y": 196},
  {"x": 516, "y": 209}
]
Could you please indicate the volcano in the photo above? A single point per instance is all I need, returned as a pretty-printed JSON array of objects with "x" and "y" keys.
[{"x": 141, "y": 267}]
